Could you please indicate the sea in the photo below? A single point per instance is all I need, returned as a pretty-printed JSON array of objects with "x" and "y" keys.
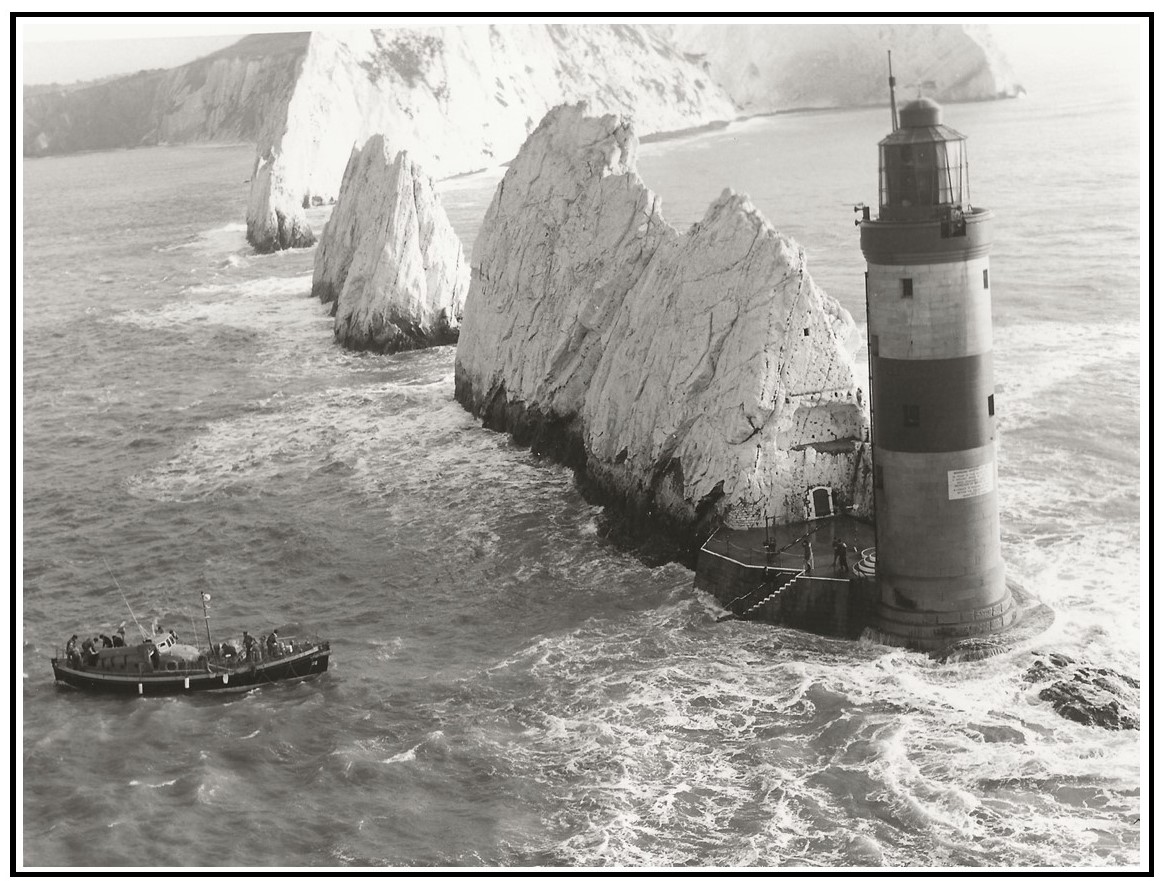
[{"x": 509, "y": 688}]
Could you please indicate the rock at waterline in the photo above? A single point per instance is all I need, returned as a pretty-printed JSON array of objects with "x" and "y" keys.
[
  {"x": 1086, "y": 694},
  {"x": 274, "y": 218},
  {"x": 388, "y": 258},
  {"x": 693, "y": 378}
]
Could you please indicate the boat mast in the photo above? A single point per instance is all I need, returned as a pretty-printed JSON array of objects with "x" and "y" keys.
[{"x": 206, "y": 613}]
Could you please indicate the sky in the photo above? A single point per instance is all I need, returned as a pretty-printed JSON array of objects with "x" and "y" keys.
[{"x": 66, "y": 49}]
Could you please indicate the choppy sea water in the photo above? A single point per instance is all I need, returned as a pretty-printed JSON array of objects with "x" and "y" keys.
[{"x": 508, "y": 689}]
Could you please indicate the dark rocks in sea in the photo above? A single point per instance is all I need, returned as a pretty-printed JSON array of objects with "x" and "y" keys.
[
  {"x": 1086, "y": 694},
  {"x": 635, "y": 522}
]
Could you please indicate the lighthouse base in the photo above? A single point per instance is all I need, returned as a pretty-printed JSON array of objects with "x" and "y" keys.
[
  {"x": 927, "y": 630},
  {"x": 998, "y": 628}
]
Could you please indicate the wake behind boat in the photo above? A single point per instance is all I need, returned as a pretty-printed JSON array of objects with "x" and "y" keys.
[{"x": 162, "y": 664}]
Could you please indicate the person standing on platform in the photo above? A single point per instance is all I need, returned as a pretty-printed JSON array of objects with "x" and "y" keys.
[{"x": 807, "y": 556}]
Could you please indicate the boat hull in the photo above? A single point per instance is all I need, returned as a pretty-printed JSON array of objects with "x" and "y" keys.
[{"x": 235, "y": 677}]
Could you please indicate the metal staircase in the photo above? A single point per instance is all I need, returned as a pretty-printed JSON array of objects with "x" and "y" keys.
[{"x": 773, "y": 597}]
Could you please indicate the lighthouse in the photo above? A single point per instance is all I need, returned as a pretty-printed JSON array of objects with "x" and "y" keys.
[{"x": 938, "y": 569}]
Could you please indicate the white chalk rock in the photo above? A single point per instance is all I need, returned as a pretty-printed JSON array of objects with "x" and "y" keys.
[
  {"x": 275, "y": 219},
  {"x": 702, "y": 376},
  {"x": 771, "y": 67},
  {"x": 389, "y": 258},
  {"x": 463, "y": 98}
]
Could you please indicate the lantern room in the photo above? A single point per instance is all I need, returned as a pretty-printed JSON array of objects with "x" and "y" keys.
[{"x": 923, "y": 172}]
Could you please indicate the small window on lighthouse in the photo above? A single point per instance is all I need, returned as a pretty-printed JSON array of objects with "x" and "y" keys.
[
  {"x": 908, "y": 290},
  {"x": 910, "y": 415},
  {"x": 985, "y": 279},
  {"x": 991, "y": 399}
]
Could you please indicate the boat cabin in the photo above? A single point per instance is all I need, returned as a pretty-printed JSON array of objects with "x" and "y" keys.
[
  {"x": 141, "y": 658},
  {"x": 125, "y": 659}
]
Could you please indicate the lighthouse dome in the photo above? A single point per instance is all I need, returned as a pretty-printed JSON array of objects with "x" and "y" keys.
[{"x": 920, "y": 112}]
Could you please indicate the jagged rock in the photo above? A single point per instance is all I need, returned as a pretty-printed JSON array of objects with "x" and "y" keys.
[
  {"x": 771, "y": 67},
  {"x": 1088, "y": 695},
  {"x": 389, "y": 258},
  {"x": 693, "y": 378}
]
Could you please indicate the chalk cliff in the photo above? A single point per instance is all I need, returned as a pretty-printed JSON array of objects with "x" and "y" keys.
[
  {"x": 498, "y": 80},
  {"x": 224, "y": 96},
  {"x": 462, "y": 98},
  {"x": 691, "y": 378},
  {"x": 388, "y": 257},
  {"x": 458, "y": 99},
  {"x": 770, "y": 67}
]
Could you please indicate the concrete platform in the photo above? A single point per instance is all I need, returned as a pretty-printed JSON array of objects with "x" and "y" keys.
[
  {"x": 781, "y": 547},
  {"x": 756, "y": 574}
]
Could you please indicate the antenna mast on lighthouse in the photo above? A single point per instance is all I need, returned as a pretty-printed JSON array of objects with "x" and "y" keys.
[{"x": 891, "y": 84}]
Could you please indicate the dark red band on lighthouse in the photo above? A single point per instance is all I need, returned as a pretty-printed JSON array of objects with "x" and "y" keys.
[{"x": 932, "y": 406}]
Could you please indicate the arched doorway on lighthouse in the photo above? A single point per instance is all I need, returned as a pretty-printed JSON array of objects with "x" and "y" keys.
[{"x": 819, "y": 503}]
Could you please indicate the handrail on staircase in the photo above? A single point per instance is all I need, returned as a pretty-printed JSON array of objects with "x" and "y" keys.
[
  {"x": 777, "y": 590},
  {"x": 770, "y": 596},
  {"x": 744, "y": 596}
]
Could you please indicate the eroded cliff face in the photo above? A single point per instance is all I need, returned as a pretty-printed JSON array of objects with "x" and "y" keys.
[
  {"x": 462, "y": 98},
  {"x": 692, "y": 379},
  {"x": 388, "y": 257},
  {"x": 771, "y": 67},
  {"x": 225, "y": 96}
]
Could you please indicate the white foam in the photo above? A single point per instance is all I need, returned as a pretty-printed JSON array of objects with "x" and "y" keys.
[
  {"x": 753, "y": 750},
  {"x": 408, "y": 756},
  {"x": 277, "y": 306}
]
